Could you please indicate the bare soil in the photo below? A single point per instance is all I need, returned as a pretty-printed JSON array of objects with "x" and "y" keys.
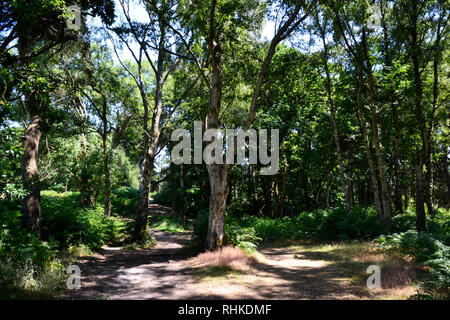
[{"x": 166, "y": 272}]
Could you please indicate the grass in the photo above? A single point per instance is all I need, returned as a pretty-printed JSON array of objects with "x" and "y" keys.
[
  {"x": 31, "y": 268},
  {"x": 225, "y": 263},
  {"x": 351, "y": 259},
  {"x": 209, "y": 274},
  {"x": 345, "y": 263},
  {"x": 148, "y": 242},
  {"x": 26, "y": 282},
  {"x": 170, "y": 224}
]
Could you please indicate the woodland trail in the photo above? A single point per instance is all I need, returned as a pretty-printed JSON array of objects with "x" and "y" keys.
[{"x": 165, "y": 272}]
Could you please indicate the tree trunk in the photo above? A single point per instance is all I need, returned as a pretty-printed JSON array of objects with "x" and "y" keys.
[
  {"x": 429, "y": 152},
  {"x": 266, "y": 182},
  {"x": 385, "y": 195},
  {"x": 106, "y": 168},
  {"x": 397, "y": 182},
  {"x": 182, "y": 196},
  {"x": 396, "y": 146},
  {"x": 140, "y": 226},
  {"x": 343, "y": 177},
  {"x": 31, "y": 204},
  {"x": 85, "y": 186},
  {"x": 219, "y": 191},
  {"x": 283, "y": 188},
  {"x": 421, "y": 188},
  {"x": 150, "y": 142},
  {"x": 446, "y": 178},
  {"x": 420, "y": 210},
  {"x": 217, "y": 172},
  {"x": 373, "y": 174}
]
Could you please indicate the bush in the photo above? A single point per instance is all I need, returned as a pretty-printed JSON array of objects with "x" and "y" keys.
[
  {"x": 192, "y": 199},
  {"x": 124, "y": 202},
  {"x": 31, "y": 267},
  {"x": 434, "y": 254},
  {"x": 244, "y": 238},
  {"x": 200, "y": 228},
  {"x": 329, "y": 224},
  {"x": 28, "y": 266},
  {"x": 66, "y": 223},
  {"x": 169, "y": 224}
]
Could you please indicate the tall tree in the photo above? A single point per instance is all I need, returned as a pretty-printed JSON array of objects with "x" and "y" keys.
[
  {"x": 322, "y": 28},
  {"x": 217, "y": 21},
  {"x": 153, "y": 39},
  {"x": 360, "y": 53},
  {"x": 37, "y": 27}
]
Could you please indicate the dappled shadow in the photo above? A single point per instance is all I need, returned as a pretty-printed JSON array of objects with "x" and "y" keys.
[
  {"x": 306, "y": 277},
  {"x": 114, "y": 273},
  {"x": 159, "y": 210},
  {"x": 160, "y": 272},
  {"x": 165, "y": 272}
]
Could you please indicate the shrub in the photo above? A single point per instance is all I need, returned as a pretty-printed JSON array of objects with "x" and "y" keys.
[
  {"x": 124, "y": 202},
  {"x": 66, "y": 223},
  {"x": 29, "y": 265},
  {"x": 200, "y": 228},
  {"x": 329, "y": 224},
  {"x": 422, "y": 247},
  {"x": 169, "y": 224},
  {"x": 226, "y": 257},
  {"x": 239, "y": 236}
]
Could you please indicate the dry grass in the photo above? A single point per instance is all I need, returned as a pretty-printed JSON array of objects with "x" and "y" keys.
[
  {"x": 397, "y": 272},
  {"x": 226, "y": 257},
  {"x": 342, "y": 263}
]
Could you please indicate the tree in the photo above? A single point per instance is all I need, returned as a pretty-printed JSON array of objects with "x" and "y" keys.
[
  {"x": 151, "y": 37},
  {"x": 321, "y": 27},
  {"x": 357, "y": 13},
  {"x": 216, "y": 22},
  {"x": 24, "y": 24}
]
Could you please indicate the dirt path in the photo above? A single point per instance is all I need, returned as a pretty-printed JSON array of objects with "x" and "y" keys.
[
  {"x": 164, "y": 272},
  {"x": 154, "y": 273}
]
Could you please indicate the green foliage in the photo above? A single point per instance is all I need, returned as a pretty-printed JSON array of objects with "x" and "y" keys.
[
  {"x": 200, "y": 228},
  {"x": 147, "y": 242},
  {"x": 124, "y": 201},
  {"x": 437, "y": 286},
  {"x": 241, "y": 237},
  {"x": 28, "y": 264},
  {"x": 329, "y": 224},
  {"x": 10, "y": 170},
  {"x": 434, "y": 254},
  {"x": 123, "y": 171},
  {"x": 169, "y": 224},
  {"x": 192, "y": 199},
  {"x": 64, "y": 221}
]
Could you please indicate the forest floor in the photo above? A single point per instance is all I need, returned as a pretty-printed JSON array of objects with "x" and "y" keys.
[{"x": 279, "y": 271}]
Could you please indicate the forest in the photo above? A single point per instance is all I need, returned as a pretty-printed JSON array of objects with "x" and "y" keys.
[{"x": 347, "y": 100}]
